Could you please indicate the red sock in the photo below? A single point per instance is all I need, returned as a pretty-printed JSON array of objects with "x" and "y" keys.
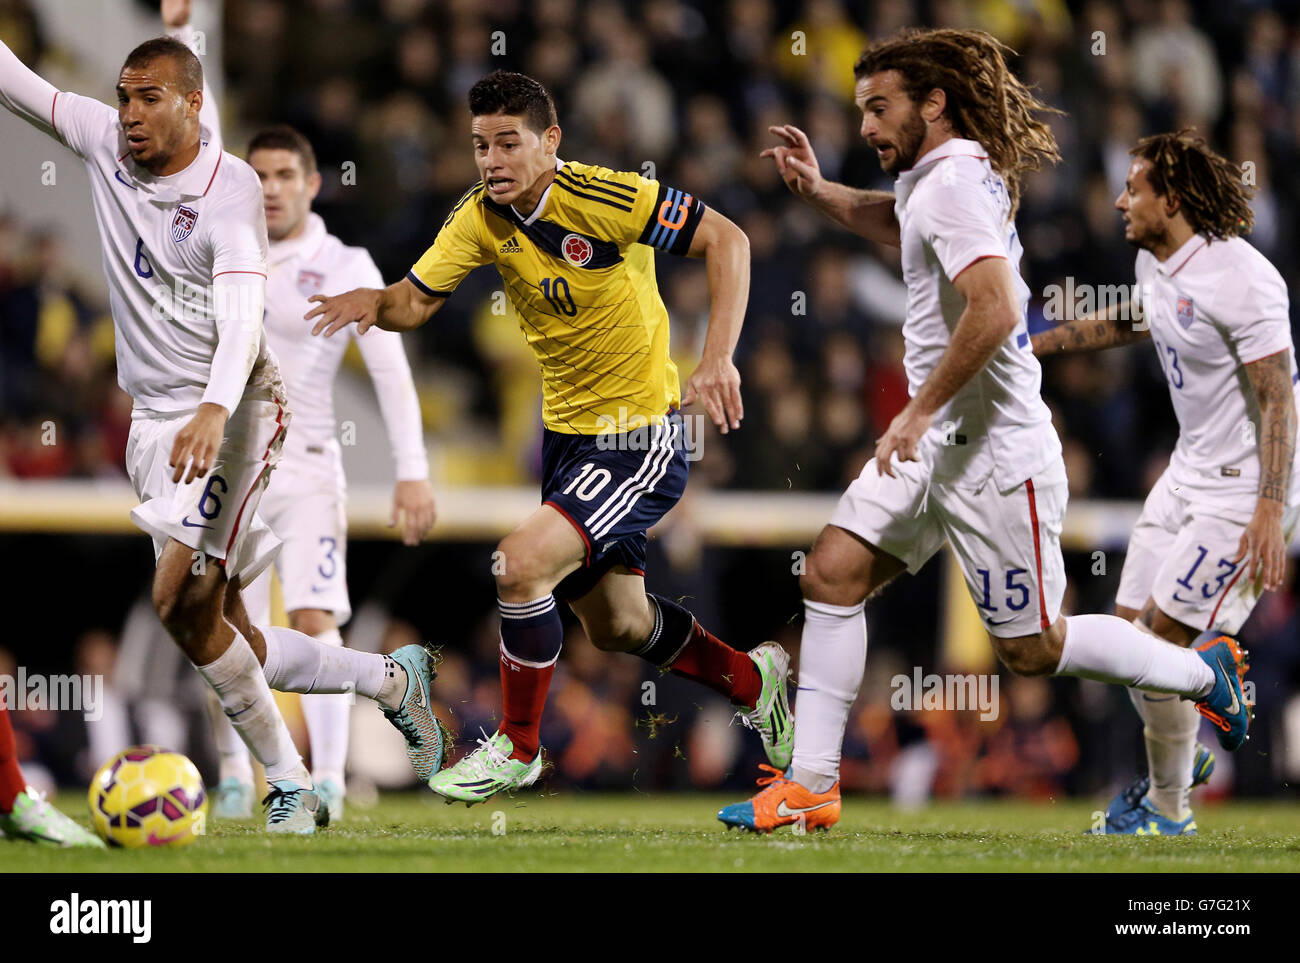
[
  {"x": 11, "y": 777},
  {"x": 523, "y": 696},
  {"x": 710, "y": 661}
]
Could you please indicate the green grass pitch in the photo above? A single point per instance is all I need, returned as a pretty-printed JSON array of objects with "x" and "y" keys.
[{"x": 579, "y": 832}]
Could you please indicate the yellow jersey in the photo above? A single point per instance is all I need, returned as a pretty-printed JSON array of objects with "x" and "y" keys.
[{"x": 580, "y": 273}]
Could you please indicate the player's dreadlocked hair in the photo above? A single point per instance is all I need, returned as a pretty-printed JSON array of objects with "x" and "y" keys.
[
  {"x": 987, "y": 103},
  {"x": 1211, "y": 190}
]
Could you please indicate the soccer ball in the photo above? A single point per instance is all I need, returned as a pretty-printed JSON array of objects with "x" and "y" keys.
[{"x": 148, "y": 796}]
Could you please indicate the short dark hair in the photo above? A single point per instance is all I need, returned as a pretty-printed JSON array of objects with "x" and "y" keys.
[
  {"x": 190, "y": 69},
  {"x": 284, "y": 137},
  {"x": 506, "y": 92}
]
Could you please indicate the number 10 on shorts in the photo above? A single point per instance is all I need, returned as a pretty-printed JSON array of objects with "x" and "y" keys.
[{"x": 592, "y": 482}]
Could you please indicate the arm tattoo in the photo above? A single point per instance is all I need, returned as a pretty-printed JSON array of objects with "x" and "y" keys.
[
  {"x": 1271, "y": 380},
  {"x": 1087, "y": 334}
]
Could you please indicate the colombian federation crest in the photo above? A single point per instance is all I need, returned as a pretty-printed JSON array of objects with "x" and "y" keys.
[
  {"x": 1186, "y": 311},
  {"x": 183, "y": 223},
  {"x": 310, "y": 282},
  {"x": 577, "y": 249}
]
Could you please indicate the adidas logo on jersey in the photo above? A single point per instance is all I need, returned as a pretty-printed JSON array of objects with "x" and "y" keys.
[{"x": 511, "y": 246}]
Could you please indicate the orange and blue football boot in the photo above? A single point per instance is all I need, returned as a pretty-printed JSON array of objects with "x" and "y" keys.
[
  {"x": 1224, "y": 705},
  {"x": 784, "y": 802}
]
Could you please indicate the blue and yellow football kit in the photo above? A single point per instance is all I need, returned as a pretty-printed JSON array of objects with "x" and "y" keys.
[{"x": 579, "y": 271}]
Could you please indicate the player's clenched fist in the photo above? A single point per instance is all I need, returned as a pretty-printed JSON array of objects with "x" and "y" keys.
[
  {"x": 716, "y": 384},
  {"x": 175, "y": 13},
  {"x": 795, "y": 161},
  {"x": 197, "y": 444},
  {"x": 337, "y": 311}
]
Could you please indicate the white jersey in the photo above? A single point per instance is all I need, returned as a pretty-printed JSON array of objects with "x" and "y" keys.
[
  {"x": 952, "y": 210},
  {"x": 166, "y": 241},
  {"x": 317, "y": 262},
  {"x": 184, "y": 255},
  {"x": 1214, "y": 306}
]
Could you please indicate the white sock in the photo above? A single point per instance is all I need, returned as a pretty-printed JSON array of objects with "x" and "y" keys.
[
  {"x": 1109, "y": 649},
  {"x": 327, "y": 725},
  {"x": 296, "y": 662},
  {"x": 832, "y": 657},
  {"x": 232, "y": 754},
  {"x": 246, "y": 699},
  {"x": 1171, "y": 726}
]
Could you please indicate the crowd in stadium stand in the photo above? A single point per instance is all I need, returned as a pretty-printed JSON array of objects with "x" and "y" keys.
[{"x": 686, "y": 91}]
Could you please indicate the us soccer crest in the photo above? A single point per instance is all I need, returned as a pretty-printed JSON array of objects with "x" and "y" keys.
[
  {"x": 1186, "y": 312},
  {"x": 310, "y": 282},
  {"x": 183, "y": 223}
]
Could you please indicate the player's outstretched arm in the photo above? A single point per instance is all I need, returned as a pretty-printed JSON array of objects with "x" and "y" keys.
[
  {"x": 398, "y": 307},
  {"x": 992, "y": 313},
  {"x": 414, "y": 508},
  {"x": 1092, "y": 332},
  {"x": 176, "y": 23},
  {"x": 26, "y": 93},
  {"x": 1263, "y": 544},
  {"x": 866, "y": 213},
  {"x": 716, "y": 382}
]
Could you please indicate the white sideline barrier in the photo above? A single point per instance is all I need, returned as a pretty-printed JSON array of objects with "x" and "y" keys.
[{"x": 759, "y": 519}]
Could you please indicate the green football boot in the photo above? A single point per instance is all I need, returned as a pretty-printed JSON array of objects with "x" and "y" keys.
[
  {"x": 771, "y": 717},
  {"x": 485, "y": 772},
  {"x": 35, "y": 820}
]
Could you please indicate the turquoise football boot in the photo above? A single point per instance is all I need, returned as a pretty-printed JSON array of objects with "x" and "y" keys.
[
  {"x": 331, "y": 797},
  {"x": 232, "y": 799},
  {"x": 426, "y": 739},
  {"x": 1145, "y": 820},
  {"x": 1129, "y": 797},
  {"x": 291, "y": 808}
]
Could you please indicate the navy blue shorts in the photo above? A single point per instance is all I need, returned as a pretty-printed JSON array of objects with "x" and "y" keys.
[{"x": 612, "y": 488}]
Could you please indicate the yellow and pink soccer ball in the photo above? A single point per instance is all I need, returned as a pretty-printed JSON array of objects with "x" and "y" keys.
[{"x": 148, "y": 796}]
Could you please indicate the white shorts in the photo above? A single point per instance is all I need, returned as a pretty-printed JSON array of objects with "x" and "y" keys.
[
  {"x": 1180, "y": 557},
  {"x": 1007, "y": 543},
  {"x": 215, "y": 514},
  {"x": 306, "y": 507}
]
